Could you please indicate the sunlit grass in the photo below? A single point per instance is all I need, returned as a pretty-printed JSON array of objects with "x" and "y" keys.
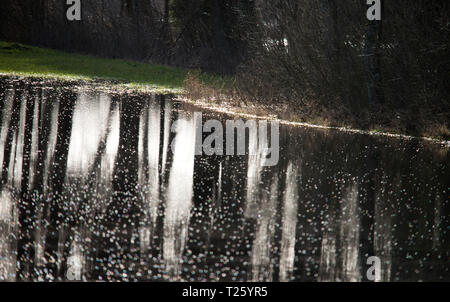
[{"x": 23, "y": 60}]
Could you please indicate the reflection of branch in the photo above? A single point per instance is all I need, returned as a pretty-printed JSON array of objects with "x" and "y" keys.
[
  {"x": 44, "y": 121},
  {"x": 27, "y": 141},
  {"x": 64, "y": 131},
  {"x": 12, "y": 131},
  {"x": 102, "y": 145}
]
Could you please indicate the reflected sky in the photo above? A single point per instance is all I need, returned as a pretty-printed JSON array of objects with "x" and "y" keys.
[{"x": 99, "y": 186}]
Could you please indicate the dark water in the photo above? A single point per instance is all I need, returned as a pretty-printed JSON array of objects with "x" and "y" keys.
[{"x": 91, "y": 188}]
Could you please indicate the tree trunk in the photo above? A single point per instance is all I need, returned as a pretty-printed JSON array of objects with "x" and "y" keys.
[{"x": 372, "y": 63}]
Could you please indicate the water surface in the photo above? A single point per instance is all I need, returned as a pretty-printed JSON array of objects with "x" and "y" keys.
[{"x": 96, "y": 185}]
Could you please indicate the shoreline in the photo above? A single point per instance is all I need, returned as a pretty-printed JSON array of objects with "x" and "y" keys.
[
  {"x": 114, "y": 86},
  {"x": 230, "y": 111}
]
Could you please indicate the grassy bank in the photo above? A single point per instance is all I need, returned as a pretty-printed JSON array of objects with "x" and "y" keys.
[
  {"x": 381, "y": 120},
  {"x": 23, "y": 60}
]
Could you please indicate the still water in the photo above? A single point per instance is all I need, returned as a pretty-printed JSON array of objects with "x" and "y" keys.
[{"x": 96, "y": 186}]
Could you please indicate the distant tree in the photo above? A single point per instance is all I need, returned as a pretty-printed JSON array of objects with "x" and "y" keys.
[{"x": 372, "y": 44}]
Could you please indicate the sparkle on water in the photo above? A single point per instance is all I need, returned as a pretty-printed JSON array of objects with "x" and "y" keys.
[{"x": 104, "y": 186}]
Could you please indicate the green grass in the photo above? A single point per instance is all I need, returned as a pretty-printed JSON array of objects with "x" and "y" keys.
[{"x": 23, "y": 60}]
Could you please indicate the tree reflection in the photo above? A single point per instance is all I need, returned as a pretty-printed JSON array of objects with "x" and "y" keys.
[{"x": 91, "y": 187}]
